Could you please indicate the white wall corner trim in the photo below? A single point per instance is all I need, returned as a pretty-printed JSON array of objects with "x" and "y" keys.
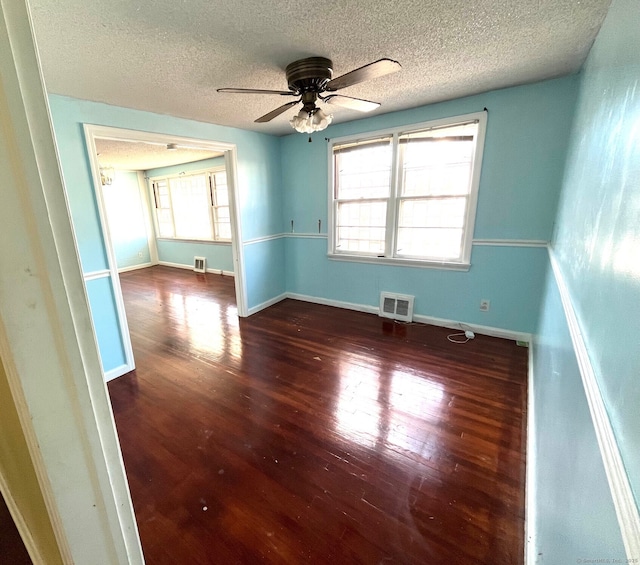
[
  {"x": 306, "y": 235},
  {"x": 262, "y": 239},
  {"x": 285, "y": 235},
  {"x": 621, "y": 492},
  {"x": 255, "y": 309},
  {"x": 117, "y": 372},
  {"x": 530, "y": 469},
  {"x": 93, "y": 275},
  {"x": 511, "y": 242}
]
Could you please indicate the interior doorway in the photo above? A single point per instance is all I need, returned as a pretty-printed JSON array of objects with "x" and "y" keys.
[{"x": 164, "y": 171}]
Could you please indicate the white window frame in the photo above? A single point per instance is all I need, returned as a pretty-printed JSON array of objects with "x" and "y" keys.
[
  {"x": 394, "y": 198},
  {"x": 214, "y": 229},
  {"x": 215, "y": 206}
]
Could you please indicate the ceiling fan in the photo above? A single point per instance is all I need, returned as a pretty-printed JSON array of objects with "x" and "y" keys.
[{"x": 311, "y": 80}]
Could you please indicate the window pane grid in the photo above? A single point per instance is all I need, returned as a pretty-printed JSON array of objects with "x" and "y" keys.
[
  {"x": 163, "y": 209},
  {"x": 427, "y": 202},
  {"x": 184, "y": 210},
  {"x": 432, "y": 243},
  {"x": 361, "y": 226},
  {"x": 449, "y": 179},
  {"x": 363, "y": 172},
  {"x": 221, "y": 214},
  {"x": 190, "y": 200},
  {"x": 362, "y": 190},
  {"x": 432, "y": 212}
]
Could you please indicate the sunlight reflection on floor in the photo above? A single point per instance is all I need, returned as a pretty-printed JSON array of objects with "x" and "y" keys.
[{"x": 376, "y": 405}]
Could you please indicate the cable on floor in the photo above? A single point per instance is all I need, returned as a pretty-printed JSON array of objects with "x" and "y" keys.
[{"x": 467, "y": 334}]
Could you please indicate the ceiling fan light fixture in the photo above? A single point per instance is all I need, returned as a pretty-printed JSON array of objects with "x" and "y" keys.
[
  {"x": 106, "y": 176},
  {"x": 309, "y": 122},
  {"x": 308, "y": 79}
]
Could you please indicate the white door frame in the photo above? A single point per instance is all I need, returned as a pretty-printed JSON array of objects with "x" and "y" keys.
[
  {"x": 47, "y": 348},
  {"x": 118, "y": 134}
]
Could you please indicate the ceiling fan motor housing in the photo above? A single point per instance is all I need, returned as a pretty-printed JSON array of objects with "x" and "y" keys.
[
  {"x": 309, "y": 75},
  {"x": 309, "y": 78}
]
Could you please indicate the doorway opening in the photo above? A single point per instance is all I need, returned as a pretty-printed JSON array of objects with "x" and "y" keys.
[{"x": 166, "y": 200}]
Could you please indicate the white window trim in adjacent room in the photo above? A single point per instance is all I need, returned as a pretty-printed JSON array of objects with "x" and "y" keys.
[
  {"x": 390, "y": 256},
  {"x": 212, "y": 208}
]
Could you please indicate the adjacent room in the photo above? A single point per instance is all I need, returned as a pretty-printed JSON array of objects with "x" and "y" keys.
[{"x": 353, "y": 283}]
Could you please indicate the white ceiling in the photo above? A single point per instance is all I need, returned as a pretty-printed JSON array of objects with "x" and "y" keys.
[
  {"x": 141, "y": 156},
  {"x": 169, "y": 56}
]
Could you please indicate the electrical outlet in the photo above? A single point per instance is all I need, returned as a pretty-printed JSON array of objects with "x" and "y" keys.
[
  {"x": 485, "y": 305},
  {"x": 140, "y": 254}
]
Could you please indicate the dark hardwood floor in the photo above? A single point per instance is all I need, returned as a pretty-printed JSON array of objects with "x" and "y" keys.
[
  {"x": 307, "y": 433},
  {"x": 12, "y": 549}
]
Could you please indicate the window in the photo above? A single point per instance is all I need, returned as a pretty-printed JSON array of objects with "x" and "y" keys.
[
  {"x": 407, "y": 195},
  {"x": 220, "y": 196},
  {"x": 193, "y": 206}
]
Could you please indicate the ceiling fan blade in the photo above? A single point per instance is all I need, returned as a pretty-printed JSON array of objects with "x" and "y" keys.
[
  {"x": 352, "y": 103},
  {"x": 368, "y": 72},
  {"x": 255, "y": 91},
  {"x": 275, "y": 113}
]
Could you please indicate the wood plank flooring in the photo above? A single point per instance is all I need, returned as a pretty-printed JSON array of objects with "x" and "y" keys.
[
  {"x": 311, "y": 434},
  {"x": 12, "y": 549}
]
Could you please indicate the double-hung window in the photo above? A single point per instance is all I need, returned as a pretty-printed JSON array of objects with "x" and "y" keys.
[
  {"x": 192, "y": 206},
  {"x": 407, "y": 195}
]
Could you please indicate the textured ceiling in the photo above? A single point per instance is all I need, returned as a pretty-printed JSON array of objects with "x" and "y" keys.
[
  {"x": 140, "y": 156},
  {"x": 169, "y": 56}
]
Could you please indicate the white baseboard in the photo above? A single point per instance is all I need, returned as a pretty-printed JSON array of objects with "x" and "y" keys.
[
  {"x": 452, "y": 324},
  {"x": 117, "y": 372},
  {"x": 266, "y": 304},
  {"x": 175, "y": 265},
  {"x": 336, "y": 303},
  {"x": 621, "y": 492},
  {"x": 190, "y": 268},
  {"x": 530, "y": 469},
  {"x": 476, "y": 328},
  {"x": 135, "y": 267}
]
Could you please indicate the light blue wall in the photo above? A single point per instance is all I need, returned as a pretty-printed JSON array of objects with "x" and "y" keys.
[
  {"x": 597, "y": 246},
  {"x": 269, "y": 255},
  {"x": 126, "y": 217},
  {"x": 105, "y": 322},
  {"x": 598, "y": 237},
  {"x": 451, "y": 295},
  {"x": 525, "y": 148},
  {"x": 575, "y": 516},
  {"x": 219, "y": 255},
  {"x": 259, "y": 191}
]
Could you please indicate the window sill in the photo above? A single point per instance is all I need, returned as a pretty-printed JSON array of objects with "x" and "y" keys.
[
  {"x": 445, "y": 265},
  {"x": 216, "y": 241}
]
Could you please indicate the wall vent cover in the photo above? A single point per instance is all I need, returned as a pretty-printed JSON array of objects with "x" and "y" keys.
[
  {"x": 396, "y": 306},
  {"x": 200, "y": 264}
]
